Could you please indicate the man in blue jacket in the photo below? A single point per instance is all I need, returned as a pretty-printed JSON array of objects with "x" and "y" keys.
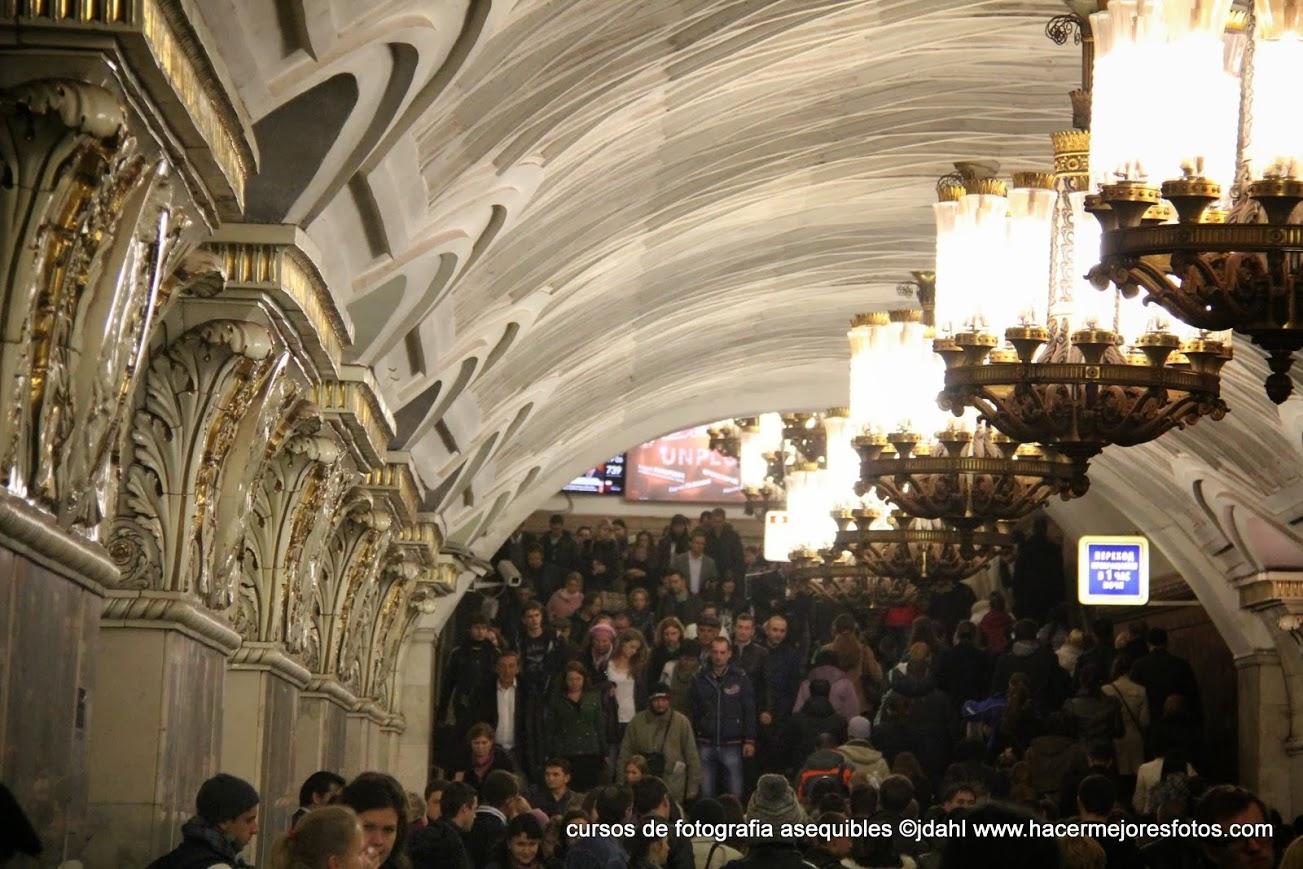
[{"x": 723, "y": 707}]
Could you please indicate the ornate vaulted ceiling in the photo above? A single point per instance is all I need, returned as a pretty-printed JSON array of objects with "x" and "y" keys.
[{"x": 559, "y": 227}]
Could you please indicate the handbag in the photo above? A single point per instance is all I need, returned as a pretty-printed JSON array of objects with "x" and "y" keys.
[{"x": 656, "y": 759}]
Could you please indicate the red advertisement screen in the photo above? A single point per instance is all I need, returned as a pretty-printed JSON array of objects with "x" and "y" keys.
[{"x": 681, "y": 467}]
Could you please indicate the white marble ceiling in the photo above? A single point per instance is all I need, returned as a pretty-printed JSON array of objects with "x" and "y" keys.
[{"x": 560, "y": 227}]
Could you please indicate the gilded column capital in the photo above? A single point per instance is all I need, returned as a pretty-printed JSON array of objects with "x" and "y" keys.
[
  {"x": 173, "y": 81},
  {"x": 199, "y": 427},
  {"x": 95, "y": 244}
]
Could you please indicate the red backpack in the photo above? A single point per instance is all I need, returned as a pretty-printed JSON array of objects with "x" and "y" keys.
[{"x": 826, "y": 765}]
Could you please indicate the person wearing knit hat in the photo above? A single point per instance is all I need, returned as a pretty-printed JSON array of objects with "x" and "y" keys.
[
  {"x": 226, "y": 819},
  {"x": 774, "y": 804}
]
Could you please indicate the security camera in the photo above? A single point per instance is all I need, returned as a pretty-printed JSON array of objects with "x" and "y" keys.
[{"x": 509, "y": 572}]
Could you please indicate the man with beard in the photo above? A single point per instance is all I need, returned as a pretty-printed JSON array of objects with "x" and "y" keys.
[{"x": 665, "y": 738}]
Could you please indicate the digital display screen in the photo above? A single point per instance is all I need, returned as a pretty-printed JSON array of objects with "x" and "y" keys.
[
  {"x": 605, "y": 479},
  {"x": 1113, "y": 570},
  {"x": 681, "y": 467}
]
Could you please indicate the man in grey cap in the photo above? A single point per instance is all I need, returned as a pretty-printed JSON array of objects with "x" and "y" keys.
[
  {"x": 665, "y": 738},
  {"x": 226, "y": 818}
]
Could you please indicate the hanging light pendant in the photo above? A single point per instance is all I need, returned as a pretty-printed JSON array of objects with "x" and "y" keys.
[{"x": 1233, "y": 258}]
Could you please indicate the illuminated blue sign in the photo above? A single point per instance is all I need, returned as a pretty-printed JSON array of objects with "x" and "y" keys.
[{"x": 1113, "y": 570}]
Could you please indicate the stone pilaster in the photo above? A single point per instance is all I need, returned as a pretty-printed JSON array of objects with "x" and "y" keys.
[
  {"x": 157, "y": 726},
  {"x": 320, "y": 731},
  {"x": 259, "y": 716},
  {"x": 93, "y": 245},
  {"x": 416, "y": 672}
]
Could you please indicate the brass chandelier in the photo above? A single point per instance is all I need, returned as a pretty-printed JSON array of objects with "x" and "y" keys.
[
  {"x": 1232, "y": 169},
  {"x": 960, "y": 471},
  {"x": 1071, "y": 369},
  {"x": 766, "y": 446}
]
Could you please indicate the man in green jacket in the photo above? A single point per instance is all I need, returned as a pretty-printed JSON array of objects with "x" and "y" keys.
[{"x": 665, "y": 738}]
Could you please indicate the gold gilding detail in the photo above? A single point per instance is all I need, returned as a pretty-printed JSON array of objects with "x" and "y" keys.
[
  {"x": 399, "y": 480},
  {"x": 986, "y": 186},
  {"x": 84, "y": 11},
  {"x": 180, "y": 73},
  {"x": 351, "y": 398},
  {"x": 285, "y": 268},
  {"x": 873, "y": 318},
  {"x": 1039, "y": 180},
  {"x": 1071, "y": 153}
]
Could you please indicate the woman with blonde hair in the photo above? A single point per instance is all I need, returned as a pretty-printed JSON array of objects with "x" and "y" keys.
[{"x": 329, "y": 837}]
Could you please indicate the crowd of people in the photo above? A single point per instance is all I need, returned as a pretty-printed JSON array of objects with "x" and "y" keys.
[{"x": 628, "y": 677}]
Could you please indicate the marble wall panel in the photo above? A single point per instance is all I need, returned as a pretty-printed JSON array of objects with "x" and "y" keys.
[
  {"x": 156, "y": 738},
  {"x": 278, "y": 786},
  {"x": 46, "y": 685},
  {"x": 333, "y": 728}
]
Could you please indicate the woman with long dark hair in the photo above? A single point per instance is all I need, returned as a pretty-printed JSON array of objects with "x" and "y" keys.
[
  {"x": 576, "y": 729},
  {"x": 669, "y": 636},
  {"x": 676, "y": 539},
  {"x": 381, "y": 806}
]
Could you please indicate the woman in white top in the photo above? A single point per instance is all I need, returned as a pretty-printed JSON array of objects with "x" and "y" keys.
[
  {"x": 625, "y": 673},
  {"x": 1130, "y": 748}
]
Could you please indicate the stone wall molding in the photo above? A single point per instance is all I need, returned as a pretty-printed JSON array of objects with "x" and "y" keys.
[
  {"x": 35, "y": 534},
  {"x": 272, "y": 658},
  {"x": 329, "y": 688},
  {"x": 168, "y": 610}
]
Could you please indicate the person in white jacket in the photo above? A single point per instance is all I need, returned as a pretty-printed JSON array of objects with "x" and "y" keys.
[{"x": 1129, "y": 749}]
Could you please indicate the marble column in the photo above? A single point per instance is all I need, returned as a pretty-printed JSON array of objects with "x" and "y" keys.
[
  {"x": 319, "y": 731},
  {"x": 416, "y": 705},
  {"x": 1265, "y": 761},
  {"x": 50, "y": 602},
  {"x": 157, "y": 730},
  {"x": 259, "y": 718}
]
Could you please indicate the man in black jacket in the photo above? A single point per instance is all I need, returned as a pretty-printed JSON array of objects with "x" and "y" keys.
[
  {"x": 964, "y": 672},
  {"x": 441, "y": 844},
  {"x": 779, "y": 680},
  {"x": 226, "y": 818},
  {"x": 491, "y": 818},
  {"x": 724, "y": 545},
  {"x": 1163, "y": 674},
  {"x": 559, "y": 547},
  {"x": 470, "y": 669},
  {"x": 542, "y": 575},
  {"x": 1047, "y": 681}
]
